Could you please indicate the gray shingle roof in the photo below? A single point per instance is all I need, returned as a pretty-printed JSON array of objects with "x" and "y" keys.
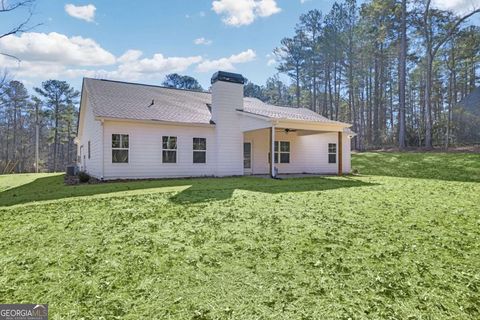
[{"x": 114, "y": 99}]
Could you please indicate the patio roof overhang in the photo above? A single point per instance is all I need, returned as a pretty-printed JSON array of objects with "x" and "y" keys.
[
  {"x": 253, "y": 122},
  {"x": 256, "y": 122}
]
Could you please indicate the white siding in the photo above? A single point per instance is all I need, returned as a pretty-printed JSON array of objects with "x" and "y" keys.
[
  {"x": 346, "y": 153},
  {"x": 226, "y": 99},
  {"x": 145, "y": 151},
  {"x": 308, "y": 154},
  {"x": 91, "y": 131},
  {"x": 249, "y": 123}
]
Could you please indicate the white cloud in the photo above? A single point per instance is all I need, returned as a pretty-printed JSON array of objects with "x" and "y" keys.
[
  {"x": 226, "y": 63},
  {"x": 203, "y": 41},
  {"x": 86, "y": 13},
  {"x": 157, "y": 65},
  {"x": 129, "y": 56},
  {"x": 56, "y": 48},
  {"x": 271, "y": 62},
  {"x": 459, "y": 6},
  {"x": 55, "y": 55},
  {"x": 244, "y": 12}
]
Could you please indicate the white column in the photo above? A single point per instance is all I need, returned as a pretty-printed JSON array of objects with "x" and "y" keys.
[{"x": 272, "y": 153}]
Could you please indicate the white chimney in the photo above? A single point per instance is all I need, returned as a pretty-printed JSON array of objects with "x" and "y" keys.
[
  {"x": 227, "y": 94},
  {"x": 227, "y": 98}
]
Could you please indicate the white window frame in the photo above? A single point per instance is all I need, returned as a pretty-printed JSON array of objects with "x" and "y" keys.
[
  {"x": 121, "y": 148},
  {"x": 279, "y": 152},
  {"x": 332, "y": 153},
  {"x": 199, "y": 150},
  {"x": 170, "y": 150}
]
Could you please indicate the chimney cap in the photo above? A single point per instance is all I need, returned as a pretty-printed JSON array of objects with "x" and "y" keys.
[{"x": 228, "y": 77}]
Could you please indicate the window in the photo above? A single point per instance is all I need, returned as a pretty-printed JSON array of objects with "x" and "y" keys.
[
  {"x": 282, "y": 151},
  {"x": 199, "y": 150},
  {"x": 332, "y": 153},
  {"x": 119, "y": 148},
  {"x": 247, "y": 155},
  {"x": 89, "y": 149},
  {"x": 169, "y": 149}
]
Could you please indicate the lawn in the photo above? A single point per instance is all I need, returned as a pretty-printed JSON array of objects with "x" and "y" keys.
[{"x": 401, "y": 240}]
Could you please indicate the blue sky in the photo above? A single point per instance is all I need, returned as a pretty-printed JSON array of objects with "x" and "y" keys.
[
  {"x": 144, "y": 40},
  {"x": 169, "y": 28}
]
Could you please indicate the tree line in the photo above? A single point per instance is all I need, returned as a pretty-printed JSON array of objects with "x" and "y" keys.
[
  {"x": 50, "y": 114},
  {"x": 395, "y": 69}
]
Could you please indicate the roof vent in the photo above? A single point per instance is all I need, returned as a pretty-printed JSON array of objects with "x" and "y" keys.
[{"x": 227, "y": 77}]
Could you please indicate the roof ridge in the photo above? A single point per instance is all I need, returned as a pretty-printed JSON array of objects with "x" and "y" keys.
[{"x": 146, "y": 85}]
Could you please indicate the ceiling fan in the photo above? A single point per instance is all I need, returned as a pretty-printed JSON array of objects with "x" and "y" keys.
[{"x": 287, "y": 130}]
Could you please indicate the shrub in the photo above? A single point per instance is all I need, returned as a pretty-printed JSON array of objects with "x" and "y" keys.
[{"x": 83, "y": 177}]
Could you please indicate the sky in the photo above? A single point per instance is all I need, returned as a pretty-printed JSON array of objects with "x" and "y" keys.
[{"x": 142, "y": 41}]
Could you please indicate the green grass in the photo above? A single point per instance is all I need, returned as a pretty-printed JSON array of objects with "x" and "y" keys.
[
  {"x": 442, "y": 166},
  {"x": 400, "y": 241}
]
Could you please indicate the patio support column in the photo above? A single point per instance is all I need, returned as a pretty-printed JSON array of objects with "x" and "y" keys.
[
  {"x": 340, "y": 153},
  {"x": 272, "y": 151}
]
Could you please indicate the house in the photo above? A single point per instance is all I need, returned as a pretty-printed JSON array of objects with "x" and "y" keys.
[{"x": 138, "y": 131}]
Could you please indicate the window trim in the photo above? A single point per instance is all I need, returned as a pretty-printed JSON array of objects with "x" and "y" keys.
[
  {"x": 121, "y": 148},
  {"x": 278, "y": 151},
  {"x": 332, "y": 153},
  {"x": 173, "y": 150},
  {"x": 199, "y": 150}
]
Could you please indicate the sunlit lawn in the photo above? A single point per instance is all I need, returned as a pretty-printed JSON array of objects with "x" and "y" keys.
[{"x": 399, "y": 241}]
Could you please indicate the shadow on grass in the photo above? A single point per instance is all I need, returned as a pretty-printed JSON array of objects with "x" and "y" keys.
[
  {"x": 198, "y": 192},
  {"x": 462, "y": 167},
  {"x": 193, "y": 190}
]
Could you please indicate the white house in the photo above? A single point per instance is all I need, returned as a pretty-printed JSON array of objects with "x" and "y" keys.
[{"x": 137, "y": 131}]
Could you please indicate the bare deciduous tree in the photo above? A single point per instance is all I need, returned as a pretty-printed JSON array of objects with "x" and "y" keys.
[{"x": 8, "y": 6}]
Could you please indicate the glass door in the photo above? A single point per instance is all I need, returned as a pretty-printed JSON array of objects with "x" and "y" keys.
[{"x": 247, "y": 157}]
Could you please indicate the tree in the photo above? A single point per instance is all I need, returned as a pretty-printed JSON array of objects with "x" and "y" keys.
[
  {"x": 253, "y": 90},
  {"x": 310, "y": 26},
  {"x": 292, "y": 58},
  {"x": 277, "y": 93},
  {"x": 174, "y": 80},
  {"x": 9, "y": 6},
  {"x": 58, "y": 97},
  {"x": 402, "y": 74},
  {"x": 435, "y": 38}
]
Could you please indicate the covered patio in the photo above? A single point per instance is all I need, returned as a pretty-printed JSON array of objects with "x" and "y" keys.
[{"x": 288, "y": 148}]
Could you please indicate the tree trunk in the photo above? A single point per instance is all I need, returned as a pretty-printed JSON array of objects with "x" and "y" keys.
[
  {"x": 55, "y": 139},
  {"x": 402, "y": 76},
  {"x": 428, "y": 100},
  {"x": 298, "y": 85}
]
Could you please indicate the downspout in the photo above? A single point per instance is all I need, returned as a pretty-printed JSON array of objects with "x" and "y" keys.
[
  {"x": 340, "y": 153},
  {"x": 272, "y": 152},
  {"x": 103, "y": 149}
]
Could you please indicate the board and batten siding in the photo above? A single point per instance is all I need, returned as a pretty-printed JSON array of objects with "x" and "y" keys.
[
  {"x": 145, "y": 151},
  {"x": 91, "y": 131},
  {"x": 308, "y": 153}
]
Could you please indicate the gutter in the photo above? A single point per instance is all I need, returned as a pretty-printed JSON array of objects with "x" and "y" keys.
[{"x": 153, "y": 121}]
